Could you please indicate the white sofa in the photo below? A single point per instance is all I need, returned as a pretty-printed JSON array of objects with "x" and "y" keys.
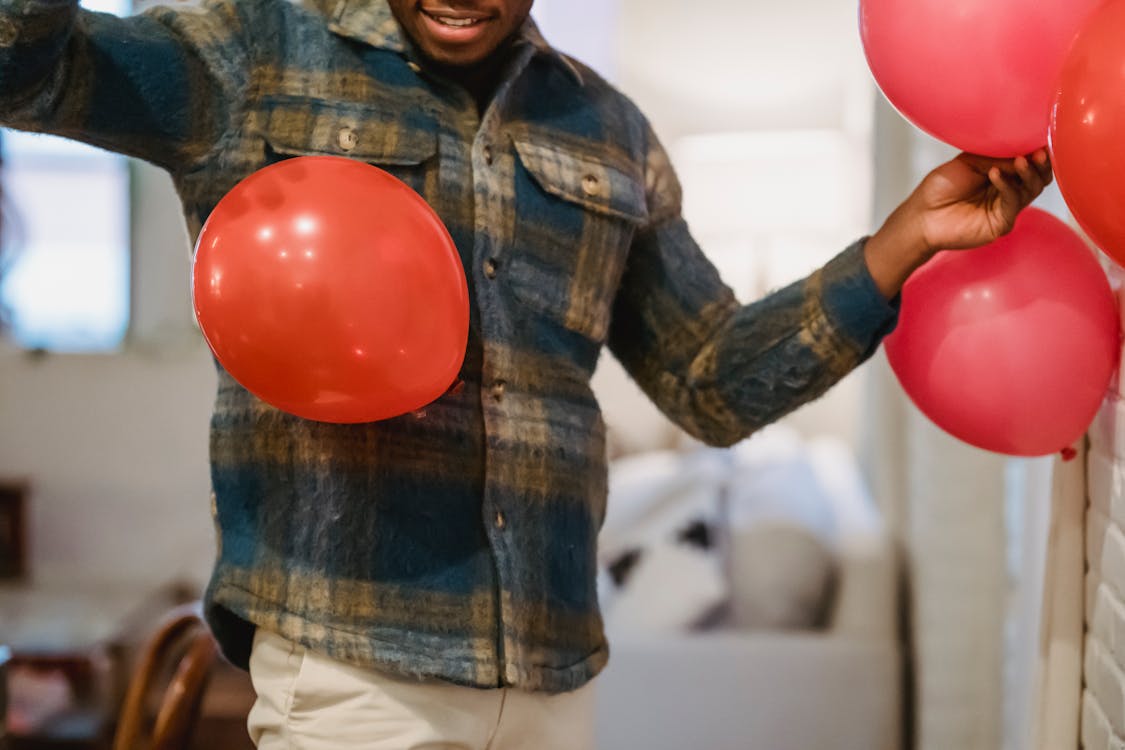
[{"x": 838, "y": 687}]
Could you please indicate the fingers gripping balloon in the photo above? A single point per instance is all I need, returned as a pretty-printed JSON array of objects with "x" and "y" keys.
[{"x": 331, "y": 290}]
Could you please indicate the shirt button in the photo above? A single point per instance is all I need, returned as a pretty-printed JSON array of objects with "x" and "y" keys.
[
  {"x": 487, "y": 152},
  {"x": 498, "y": 390},
  {"x": 490, "y": 268},
  {"x": 9, "y": 32},
  {"x": 347, "y": 139},
  {"x": 414, "y": 66},
  {"x": 500, "y": 521},
  {"x": 590, "y": 185}
]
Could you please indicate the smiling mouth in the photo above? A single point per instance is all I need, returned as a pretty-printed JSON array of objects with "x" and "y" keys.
[{"x": 455, "y": 21}]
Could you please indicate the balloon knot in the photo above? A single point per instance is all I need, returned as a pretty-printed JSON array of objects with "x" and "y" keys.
[{"x": 1069, "y": 454}]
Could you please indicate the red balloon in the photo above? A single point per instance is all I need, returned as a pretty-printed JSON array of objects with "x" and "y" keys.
[
  {"x": 1087, "y": 123},
  {"x": 331, "y": 290},
  {"x": 1010, "y": 347},
  {"x": 978, "y": 74}
]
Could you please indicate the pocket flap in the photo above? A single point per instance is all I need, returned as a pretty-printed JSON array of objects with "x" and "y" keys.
[
  {"x": 585, "y": 179},
  {"x": 297, "y": 126}
]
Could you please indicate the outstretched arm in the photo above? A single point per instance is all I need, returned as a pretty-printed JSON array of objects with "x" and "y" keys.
[
  {"x": 722, "y": 370},
  {"x": 164, "y": 86}
]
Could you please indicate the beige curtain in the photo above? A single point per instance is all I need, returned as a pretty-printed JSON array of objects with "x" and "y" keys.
[
  {"x": 1056, "y": 706},
  {"x": 945, "y": 502}
]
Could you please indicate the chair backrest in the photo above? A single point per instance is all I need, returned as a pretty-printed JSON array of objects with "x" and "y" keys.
[{"x": 182, "y": 643}]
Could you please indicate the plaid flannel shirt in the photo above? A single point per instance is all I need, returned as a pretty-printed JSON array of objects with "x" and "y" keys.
[{"x": 459, "y": 545}]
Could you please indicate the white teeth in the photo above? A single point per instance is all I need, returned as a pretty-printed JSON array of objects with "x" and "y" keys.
[{"x": 456, "y": 23}]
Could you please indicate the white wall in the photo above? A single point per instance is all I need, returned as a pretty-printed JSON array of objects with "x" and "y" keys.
[
  {"x": 756, "y": 74},
  {"x": 115, "y": 446},
  {"x": 585, "y": 29},
  {"x": 1103, "y": 669}
]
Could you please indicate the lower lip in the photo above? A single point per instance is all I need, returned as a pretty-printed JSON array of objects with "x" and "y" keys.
[{"x": 455, "y": 34}]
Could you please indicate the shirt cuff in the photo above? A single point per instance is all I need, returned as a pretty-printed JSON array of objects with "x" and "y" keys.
[{"x": 853, "y": 304}]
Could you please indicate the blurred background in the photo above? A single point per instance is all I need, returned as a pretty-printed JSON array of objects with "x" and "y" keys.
[{"x": 850, "y": 578}]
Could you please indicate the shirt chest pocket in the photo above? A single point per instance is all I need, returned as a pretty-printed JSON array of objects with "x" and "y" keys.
[
  {"x": 576, "y": 214},
  {"x": 402, "y": 141}
]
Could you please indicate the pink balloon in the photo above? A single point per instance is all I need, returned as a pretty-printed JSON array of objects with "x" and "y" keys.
[
  {"x": 977, "y": 74},
  {"x": 1010, "y": 347}
]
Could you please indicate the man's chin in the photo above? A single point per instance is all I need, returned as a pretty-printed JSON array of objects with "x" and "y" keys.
[{"x": 454, "y": 58}]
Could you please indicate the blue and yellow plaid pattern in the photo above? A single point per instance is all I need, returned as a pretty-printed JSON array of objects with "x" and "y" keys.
[{"x": 458, "y": 543}]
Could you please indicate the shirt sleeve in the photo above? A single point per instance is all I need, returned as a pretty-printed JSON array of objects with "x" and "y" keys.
[
  {"x": 720, "y": 369},
  {"x": 164, "y": 86}
]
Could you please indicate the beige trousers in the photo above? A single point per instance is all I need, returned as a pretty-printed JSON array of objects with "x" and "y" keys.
[{"x": 307, "y": 701}]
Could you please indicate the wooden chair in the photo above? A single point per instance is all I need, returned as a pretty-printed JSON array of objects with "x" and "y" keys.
[
  {"x": 5, "y": 657},
  {"x": 184, "y": 648}
]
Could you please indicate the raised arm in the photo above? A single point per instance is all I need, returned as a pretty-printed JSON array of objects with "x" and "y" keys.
[{"x": 165, "y": 86}]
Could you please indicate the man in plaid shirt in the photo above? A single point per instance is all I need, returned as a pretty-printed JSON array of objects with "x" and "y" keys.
[{"x": 430, "y": 582}]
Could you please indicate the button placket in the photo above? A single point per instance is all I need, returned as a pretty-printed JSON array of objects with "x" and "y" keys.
[{"x": 491, "y": 175}]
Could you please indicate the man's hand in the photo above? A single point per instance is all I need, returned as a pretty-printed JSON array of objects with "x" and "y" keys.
[
  {"x": 971, "y": 201},
  {"x": 965, "y": 203}
]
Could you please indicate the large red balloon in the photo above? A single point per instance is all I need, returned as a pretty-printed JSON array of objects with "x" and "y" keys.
[
  {"x": 978, "y": 74},
  {"x": 331, "y": 290},
  {"x": 1087, "y": 127},
  {"x": 1010, "y": 347}
]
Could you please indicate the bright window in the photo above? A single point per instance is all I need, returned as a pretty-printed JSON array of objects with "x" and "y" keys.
[{"x": 66, "y": 240}]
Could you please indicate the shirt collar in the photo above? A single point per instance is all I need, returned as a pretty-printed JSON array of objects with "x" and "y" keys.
[{"x": 372, "y": 22}]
